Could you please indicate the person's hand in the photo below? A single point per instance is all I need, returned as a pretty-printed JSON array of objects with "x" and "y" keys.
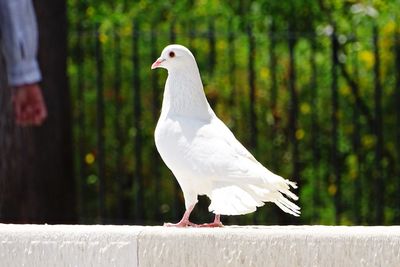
[{"x": 29, "y": 106}]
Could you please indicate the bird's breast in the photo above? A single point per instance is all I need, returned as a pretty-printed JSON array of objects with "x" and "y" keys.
[
  {"x": 172, "y": 142},
  {"x": 176, "y": 140}
]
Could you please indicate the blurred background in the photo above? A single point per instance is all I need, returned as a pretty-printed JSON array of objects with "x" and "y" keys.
[{"x": 311, "y": 88}]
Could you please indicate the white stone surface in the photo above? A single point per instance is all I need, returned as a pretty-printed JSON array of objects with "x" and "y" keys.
[
  {"x": 44, "y": 245},
  {"x": 68, "y": 245},
  {"x": 271, "y": 246}
]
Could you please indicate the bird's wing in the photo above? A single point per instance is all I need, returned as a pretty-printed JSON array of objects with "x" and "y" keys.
[{"x": 237, "y": 175}]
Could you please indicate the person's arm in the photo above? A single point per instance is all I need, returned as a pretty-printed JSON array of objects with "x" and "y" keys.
[{"x": 19, "y": 41}]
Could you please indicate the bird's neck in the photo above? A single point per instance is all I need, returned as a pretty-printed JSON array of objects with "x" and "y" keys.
[{"x": 184, "y": 95}]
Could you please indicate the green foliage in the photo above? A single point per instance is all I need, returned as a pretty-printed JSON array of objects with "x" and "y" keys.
[{"x": 195, "y": 23}]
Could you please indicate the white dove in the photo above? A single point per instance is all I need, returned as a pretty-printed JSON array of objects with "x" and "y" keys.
[{"x": 202, "y": 152}]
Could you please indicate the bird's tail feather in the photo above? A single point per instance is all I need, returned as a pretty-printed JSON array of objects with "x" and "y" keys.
[
  {"x": 276, "y": 197},
  {"x": 243, "y": 199},
  {"x": 292, "y": 184},
  {"x": 287, "y": 206},
  {"x": 233, "y": 200},
  {"x": 284, "y": 187}
]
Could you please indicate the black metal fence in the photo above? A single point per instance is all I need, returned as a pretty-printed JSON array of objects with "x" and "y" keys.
[{"x": 320, "y": 108}]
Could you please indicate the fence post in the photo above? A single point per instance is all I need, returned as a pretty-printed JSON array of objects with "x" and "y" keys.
[
  {"x": 397, "y": 97},
  {"x": 233, "y": 103},
  {"x": 274, "y": 82},
  {"x": 294, "y": 103},
  {"x": 211, "y": 43},
  {"x": 252, "y": 86},
  {"x": 117, "y": 124},
  {"x": 335, "y": 123},
  {"x": 316, "y": 179},
  {"x": 80, "y": 87},
  {"x": 100, "y": 124},
  {"x": 358, "y": 193},
  {"x": 379, "y": 187},
  {"x": 192, "y": 35},
  {"x": 137, "y": 124}
]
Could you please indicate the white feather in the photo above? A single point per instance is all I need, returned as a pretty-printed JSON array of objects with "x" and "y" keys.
[{"x": 204, "y": 155}]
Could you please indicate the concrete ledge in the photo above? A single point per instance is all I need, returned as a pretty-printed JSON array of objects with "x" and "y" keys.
[{"x": 60, "y": 245}]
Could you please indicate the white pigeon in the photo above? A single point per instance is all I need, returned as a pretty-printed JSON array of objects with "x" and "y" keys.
[{"x": 202, "y": 152}]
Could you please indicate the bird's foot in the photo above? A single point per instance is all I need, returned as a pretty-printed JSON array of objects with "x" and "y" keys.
[
  {"x": 216, "y": 223},
  {"x": 181, "y": 224},
  {"x": 213, "y": 224}
]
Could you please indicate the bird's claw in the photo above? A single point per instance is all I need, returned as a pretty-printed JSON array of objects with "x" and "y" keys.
[
  {"x": 213, "y": 224},
  {"x": 181, "y": 224}
]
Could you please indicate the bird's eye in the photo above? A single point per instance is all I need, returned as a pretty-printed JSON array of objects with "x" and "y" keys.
[{"x": 171, "y": 54}]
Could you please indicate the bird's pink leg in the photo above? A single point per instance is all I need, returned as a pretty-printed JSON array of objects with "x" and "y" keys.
[
  {"x": 184, "y": 222},
  {"x": 217, "y": 222}
]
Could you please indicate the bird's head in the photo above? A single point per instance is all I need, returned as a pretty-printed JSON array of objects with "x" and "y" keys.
[{"x": 174, "y": 57}]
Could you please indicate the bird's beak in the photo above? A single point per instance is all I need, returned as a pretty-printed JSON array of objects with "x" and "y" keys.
[{"x": 157, "y": 63}]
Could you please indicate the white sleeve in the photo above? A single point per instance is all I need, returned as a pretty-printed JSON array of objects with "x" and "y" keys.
[{"x": 19, "y": 41}]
